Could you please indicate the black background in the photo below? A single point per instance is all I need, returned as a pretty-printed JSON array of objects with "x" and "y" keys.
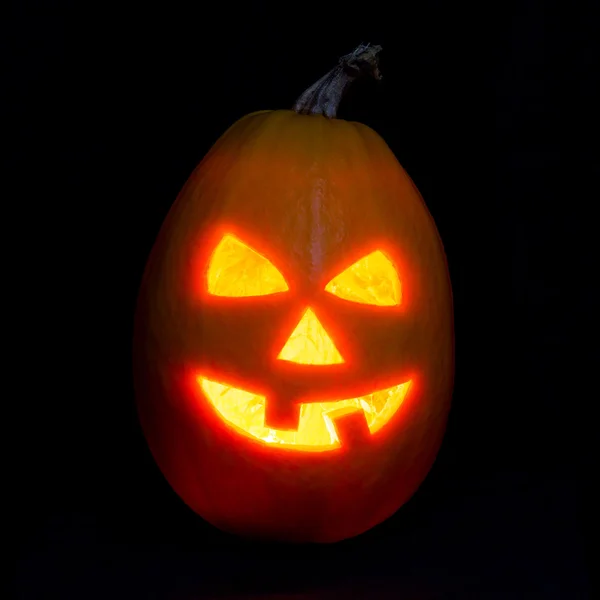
[{"x": 489, "y": 109}]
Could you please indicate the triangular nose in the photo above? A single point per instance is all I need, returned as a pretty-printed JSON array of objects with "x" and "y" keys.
[{"x": 310, "y": 344}]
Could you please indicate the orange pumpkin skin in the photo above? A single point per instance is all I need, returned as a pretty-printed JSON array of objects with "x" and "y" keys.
[{"x": 313, "y": 195}]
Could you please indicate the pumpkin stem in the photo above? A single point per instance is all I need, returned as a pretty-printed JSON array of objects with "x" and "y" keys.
[{"x": 324, "y": 96}]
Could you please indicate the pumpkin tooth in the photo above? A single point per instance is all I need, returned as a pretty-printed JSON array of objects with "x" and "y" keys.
[{"x": 351, "y": 427}]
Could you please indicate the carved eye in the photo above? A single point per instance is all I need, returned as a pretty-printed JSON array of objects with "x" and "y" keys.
[
  {"x": 371, "y": 280},
  {"x": 236, "y": 270}
]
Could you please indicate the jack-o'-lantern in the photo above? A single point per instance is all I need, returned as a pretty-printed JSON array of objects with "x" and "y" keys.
[{"x": 294, "y": 333}]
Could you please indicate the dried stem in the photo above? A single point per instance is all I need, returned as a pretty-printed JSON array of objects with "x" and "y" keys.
[{"x": 324, "y": 97}]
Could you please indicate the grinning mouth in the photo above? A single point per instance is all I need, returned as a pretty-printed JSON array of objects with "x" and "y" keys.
[{"x": 319, "y": 426}]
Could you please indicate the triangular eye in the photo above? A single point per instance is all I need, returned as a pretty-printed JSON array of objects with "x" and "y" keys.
[
  {"x": 236, "y": 270},
  {"x": 371, "y": 280}
]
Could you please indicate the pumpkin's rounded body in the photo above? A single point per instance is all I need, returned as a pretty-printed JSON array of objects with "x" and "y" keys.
[{"x": 220, "y": 399}]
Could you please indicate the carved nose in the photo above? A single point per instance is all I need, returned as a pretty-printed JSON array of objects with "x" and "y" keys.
[{"x": 310, "y": 344}]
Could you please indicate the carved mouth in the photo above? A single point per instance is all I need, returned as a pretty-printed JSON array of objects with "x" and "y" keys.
[{"x": 321, "y": 425}]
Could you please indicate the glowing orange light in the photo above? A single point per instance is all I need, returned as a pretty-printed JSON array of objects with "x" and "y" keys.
[
  {"x": 371, "y": 280},
  {"x": 310, "y": 344},
  {"x": 237, "y": 270},
  {"x": 316, "y": 429}
]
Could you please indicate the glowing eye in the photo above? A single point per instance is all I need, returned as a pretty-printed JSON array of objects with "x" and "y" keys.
[
  {"x": 371, "y": 280},
  {"x": 236, "y": 270}
]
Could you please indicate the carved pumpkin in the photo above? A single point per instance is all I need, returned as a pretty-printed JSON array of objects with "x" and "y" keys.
[{"x": 294, "y": 332}]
